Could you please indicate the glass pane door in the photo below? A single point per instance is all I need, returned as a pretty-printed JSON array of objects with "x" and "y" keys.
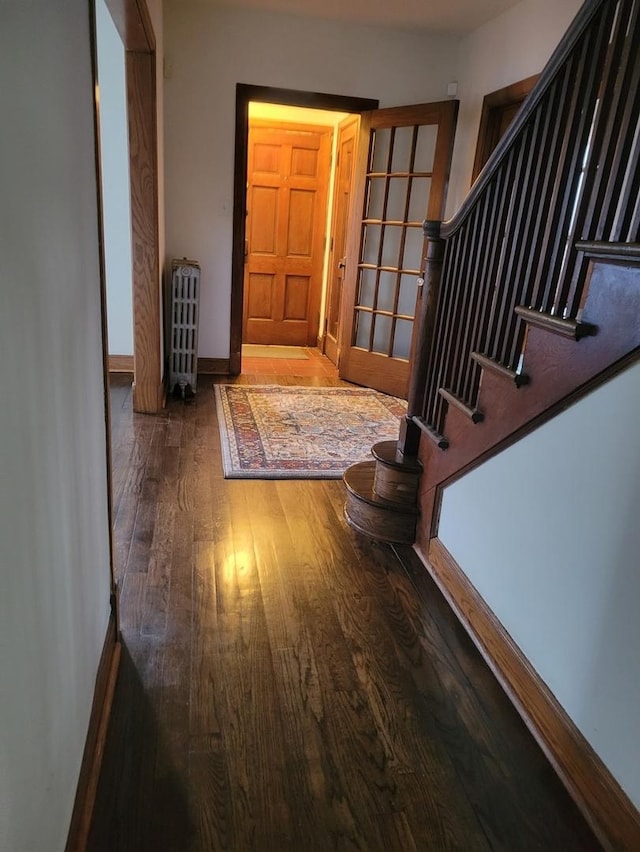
[
  {"x": 400, "y": 179},
  {"x": 396, "y": 196}
]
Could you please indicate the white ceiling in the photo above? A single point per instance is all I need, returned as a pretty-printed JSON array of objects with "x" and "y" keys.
[{"x": 455, "y": 16}]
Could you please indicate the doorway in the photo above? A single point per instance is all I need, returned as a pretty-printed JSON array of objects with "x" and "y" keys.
[
  {"x": 133, "y": 23},
  {"x": 115, "y": 190},
  {"x": 401, "y": 159},
  {"x": 245, "y": 95},
  {"x": 499, "y": 108},
  {"x": 288, "y": 178}
]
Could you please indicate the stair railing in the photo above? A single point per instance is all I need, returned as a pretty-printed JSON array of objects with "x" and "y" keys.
[{"x": 565, "y": 174}]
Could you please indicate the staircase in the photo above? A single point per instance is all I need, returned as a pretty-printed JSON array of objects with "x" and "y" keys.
[
  {"x": 531, "y": 299},
  {"x": 532, "y": 291},
  {"x": 382, "y": 495}
]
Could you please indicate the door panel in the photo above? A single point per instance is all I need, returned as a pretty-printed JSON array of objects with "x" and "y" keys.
[
  {"x": 264, "y": 222},
  {"x": 260, "y": 293},
  {"x": 296, "y": 296},
  {"x": 346, "y": 151},
  {"x": 300, "y": 223},
  {"x": 402, "y": 167},
  {"x": 288, "y": 169}
]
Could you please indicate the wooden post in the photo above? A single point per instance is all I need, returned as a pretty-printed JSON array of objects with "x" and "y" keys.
[{"x": 409, "y": 440}]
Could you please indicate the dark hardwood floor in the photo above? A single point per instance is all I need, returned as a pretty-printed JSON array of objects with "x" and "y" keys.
[{"x": 289, "y": 685}]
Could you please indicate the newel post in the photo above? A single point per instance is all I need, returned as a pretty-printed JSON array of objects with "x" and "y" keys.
[{"x": 409, "y": 440}]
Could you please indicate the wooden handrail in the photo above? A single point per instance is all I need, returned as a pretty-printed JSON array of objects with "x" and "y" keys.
[
  {"x": 558, "y": 58},
  {"x": 564, "y": 179}
]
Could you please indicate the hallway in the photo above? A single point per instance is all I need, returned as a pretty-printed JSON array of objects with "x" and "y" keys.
[{"x": 288, "y": 685}]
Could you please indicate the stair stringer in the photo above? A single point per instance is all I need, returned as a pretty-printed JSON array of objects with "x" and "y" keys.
[{"x": 561, "y": 370}]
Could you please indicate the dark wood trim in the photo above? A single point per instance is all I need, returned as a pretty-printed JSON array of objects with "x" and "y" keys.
[
  {"x": 606, "y": 807},
  {"x": 214, "y": 366},
  {"x": 563, "y": 50},
  {"x": 246, "y": 93},
  {"x": 519, "y": 379},
  {"x": 473, "y": 414},
  {"x": 571, "y": 328},
  {"x": 439, "y": 440},
  {"x": 422, "y": 339},
  {"x": 609, "y": 251},
  {"x": 309, "y": 100},
  {"x": 96, "y": 735},
  {"x": 442, "y": 159},
  {"x": 509, "y": 96},
  {"x": 121, "y": 363}
]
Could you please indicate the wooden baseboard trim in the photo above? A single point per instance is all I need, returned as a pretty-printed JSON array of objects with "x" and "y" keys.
[
  {"x": 121, "y": 363},
  {"x": 606, "y": 807},
  {"x": 94, "y": 745},
  {"x": 214, "y": 366}
]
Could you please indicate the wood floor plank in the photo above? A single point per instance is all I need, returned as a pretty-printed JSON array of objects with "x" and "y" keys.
[
  {"x": 158, "y": 574},
  {"x": 132, "y": 588},
  {"x": 472, "y": 700},
  {"x": 251, "y": 718},
  {"x": 213, "y": 807},
  {"x": 318, "y": 795},
  {"x": 288, "y": 685},
  {"x": 376, "y": 713},
  {"x": 123, "y": 818},
  {"x": 128, "y": 497},
  {"x": 205, "y": 688},
  {"x": 303, "y": 512}
]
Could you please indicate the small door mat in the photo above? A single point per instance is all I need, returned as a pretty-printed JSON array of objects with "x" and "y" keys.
[
  {"x": 256, "y": 350},
  {"x": 290, "y": 432}
]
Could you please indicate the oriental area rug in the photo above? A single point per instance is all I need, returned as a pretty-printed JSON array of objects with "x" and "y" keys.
[{"x": 287, "y": 432}]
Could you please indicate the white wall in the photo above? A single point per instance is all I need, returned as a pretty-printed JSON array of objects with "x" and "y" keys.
[
  {"x": 208, "y": 50},
  {"x": 548, "y": 533},
  {"x": 507, "y": 49},
  {"x": 54, "y": 546},
  {"x": 116, "y": 206}
]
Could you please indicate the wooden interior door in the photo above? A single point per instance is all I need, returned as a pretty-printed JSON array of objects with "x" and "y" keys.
[
  {"x": 288, "y": 172},
  {"x": 402, "y": 168},
  {"x": 345, "y": 160}
]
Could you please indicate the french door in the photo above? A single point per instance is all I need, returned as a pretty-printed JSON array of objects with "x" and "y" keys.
[{"x": 402, "y": 169}]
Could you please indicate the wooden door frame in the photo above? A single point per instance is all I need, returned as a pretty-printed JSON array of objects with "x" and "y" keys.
[
  {"x": 133, "y": 23},
  {"x": 492, "y": 104},
  {"x": 354, "y": 121},
  {"x": 246, "y": 93}
]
